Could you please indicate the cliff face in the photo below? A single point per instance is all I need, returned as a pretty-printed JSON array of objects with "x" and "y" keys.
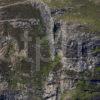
[{"x": 44, "y": 57}]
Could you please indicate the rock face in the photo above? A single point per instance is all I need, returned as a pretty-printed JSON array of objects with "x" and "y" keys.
[
  {"x": 76, "y": 47},
  {"x": 22, "y": 26},
  {"x": 31, "y": 41}
]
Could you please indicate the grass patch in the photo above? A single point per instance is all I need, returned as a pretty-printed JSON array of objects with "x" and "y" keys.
[
  {"x": 57, "y": 3},
  {"x": 83, "y": 11},
  {"x": 97, "y": 49},
  {"x": 7, "y": 2},
  {"x": 97, "y": 68},
  {"x": 79, "y": 94}
]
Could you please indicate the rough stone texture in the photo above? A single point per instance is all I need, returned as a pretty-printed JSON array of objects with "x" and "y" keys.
[
  {"x": 77, "y": 46},
  {"x": 17, "y": 21},
  {"x": 74, "y": 43}
]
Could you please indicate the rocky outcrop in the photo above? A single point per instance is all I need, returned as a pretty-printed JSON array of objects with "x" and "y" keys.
[
  {"x": 49, "y": 23},
  {"x": 76, "y": 47},
  {"x": 73, "y": 43},
  {"x": 22, "y": 23}
]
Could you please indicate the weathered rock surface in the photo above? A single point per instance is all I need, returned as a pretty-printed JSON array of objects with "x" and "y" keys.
[{"x": 21, "y": 24}]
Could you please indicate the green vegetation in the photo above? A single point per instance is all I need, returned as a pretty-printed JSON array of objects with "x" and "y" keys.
[
  {"x": 97, "y": 49},
  {"x": 16, "y": 75},
  {"x": 97, "y": 68},
  {"x": 23, "y": 11},
  {"x": 83, "y": 91},
  {"x": 84, "y": 95},
  {"x": 7, "y": 2},
  {"x": 86, "y": 87},
  {"x": 57, "y": 3},
  {"x": 45, "y": 69},
  {"x": 10, "y": 50},
  {"x": 20, "y": 75},
  {"x": 86, "y": 90},
  {"x": 81, "y": 11},
  {"x": 96, "y": 73}
]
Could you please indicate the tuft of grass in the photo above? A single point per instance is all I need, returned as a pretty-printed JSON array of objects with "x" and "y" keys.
[
  {"x": 97, "y": 49},
  {"x": 97, "y": 68}
]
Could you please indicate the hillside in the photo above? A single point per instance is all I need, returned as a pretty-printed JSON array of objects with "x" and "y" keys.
[{"x": 49, "y": 50}]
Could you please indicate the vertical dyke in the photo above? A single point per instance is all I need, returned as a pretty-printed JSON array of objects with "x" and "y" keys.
[{"x": 49, "y": 23}]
